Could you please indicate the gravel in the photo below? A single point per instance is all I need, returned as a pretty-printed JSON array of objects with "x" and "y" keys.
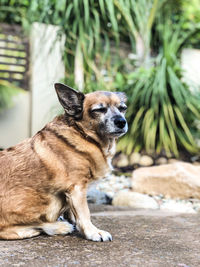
[{"x": 112, "y": 184}]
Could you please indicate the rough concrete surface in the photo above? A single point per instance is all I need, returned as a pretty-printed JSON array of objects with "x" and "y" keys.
[{"x": 140, "y": 238}]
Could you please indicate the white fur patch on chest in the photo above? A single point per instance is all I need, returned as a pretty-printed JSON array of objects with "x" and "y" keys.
[
  {"x": 110, "y": 153},
  {"x": 109, "y": 161}
]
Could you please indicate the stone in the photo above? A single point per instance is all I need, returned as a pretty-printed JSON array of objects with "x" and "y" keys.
[
  {"x": 197, "y": 207},
  {"x": 161, "y": 161},
  {"x": 134, "y": 200},
  {"x": 170, "y": 161},
  {"x": 196, "y": 163},
  {"x": 179, "y": 180},
  {"x": 195, "y": 158},
  {"x": 97, "y": 197},
  {"x": 121, "y": 161},
  {"x": 112, "y": 184},
  {"x": 134, "y": 158},
  {"x": 179, "y": 207},
  {"x": 146, "y": 161}
]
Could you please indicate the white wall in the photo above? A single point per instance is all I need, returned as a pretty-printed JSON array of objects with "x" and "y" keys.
[
  {"x": 190, "y": 61},
  {"x": 15, "y": 122},
  {"x": 47, "y": 69}
]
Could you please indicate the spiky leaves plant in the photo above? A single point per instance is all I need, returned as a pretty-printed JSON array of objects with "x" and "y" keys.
[{"x": 162, "y": 109}]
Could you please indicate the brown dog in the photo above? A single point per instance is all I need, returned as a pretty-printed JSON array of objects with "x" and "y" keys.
[{"x": 47, "y": 174}]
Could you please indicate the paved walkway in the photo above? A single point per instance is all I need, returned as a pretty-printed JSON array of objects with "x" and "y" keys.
[{"x": 140, "y": 238}]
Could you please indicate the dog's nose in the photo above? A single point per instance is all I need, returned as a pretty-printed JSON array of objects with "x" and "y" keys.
[{"x": 120, "y": 122}]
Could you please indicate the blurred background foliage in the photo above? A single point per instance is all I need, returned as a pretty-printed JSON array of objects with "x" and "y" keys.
[
  {"x": 7, "y": 92},
  {"x": 132, "y": 46}
]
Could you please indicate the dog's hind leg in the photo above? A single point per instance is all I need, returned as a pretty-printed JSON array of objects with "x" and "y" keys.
[{"x": 19, "y": 232}]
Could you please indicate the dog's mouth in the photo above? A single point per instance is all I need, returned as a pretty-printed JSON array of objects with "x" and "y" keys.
[{"x": 118, "y": 133}]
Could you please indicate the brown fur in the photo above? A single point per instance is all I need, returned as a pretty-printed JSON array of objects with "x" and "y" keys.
[{"x": 43, "y": 176}]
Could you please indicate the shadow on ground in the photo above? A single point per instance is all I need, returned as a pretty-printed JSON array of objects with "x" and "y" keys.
[{"x": 140, "y": 238}]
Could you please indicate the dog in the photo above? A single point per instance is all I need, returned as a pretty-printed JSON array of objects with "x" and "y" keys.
[{"x": 48, "y": 174}]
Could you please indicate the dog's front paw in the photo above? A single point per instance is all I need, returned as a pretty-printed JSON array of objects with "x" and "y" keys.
[{"x": 98, "y": 235}]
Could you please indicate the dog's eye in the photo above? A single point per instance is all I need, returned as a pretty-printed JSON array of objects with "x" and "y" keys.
[
  {"x": 100, "y": 110},
  {"x": 122, "y": 108}
]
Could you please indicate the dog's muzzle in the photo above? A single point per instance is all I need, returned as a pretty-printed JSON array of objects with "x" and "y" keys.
[
  {"x": 120, "y": 126},
  {"x": 115, "y": 126}
]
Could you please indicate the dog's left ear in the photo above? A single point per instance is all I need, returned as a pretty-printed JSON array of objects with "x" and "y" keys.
[
  {"x": 122, "y": 96},
  {"x": 70, "y": 99}
]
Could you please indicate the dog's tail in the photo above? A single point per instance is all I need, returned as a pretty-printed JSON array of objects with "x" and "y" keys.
[{"x": 21, "y": 232}]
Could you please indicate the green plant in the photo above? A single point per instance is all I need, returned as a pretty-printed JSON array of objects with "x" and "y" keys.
[
  {"x": 91, "y": 27},
  {"x": 162, "y": 110}
]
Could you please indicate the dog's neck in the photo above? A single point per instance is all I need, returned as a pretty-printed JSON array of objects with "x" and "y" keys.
[{"x": 106, "y": 144}]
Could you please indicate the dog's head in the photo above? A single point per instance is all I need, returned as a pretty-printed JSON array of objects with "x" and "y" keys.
[{"x": 101, "y": 112}]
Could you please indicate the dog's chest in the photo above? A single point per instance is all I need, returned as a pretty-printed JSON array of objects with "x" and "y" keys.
[{"x": 106, "y": 166}]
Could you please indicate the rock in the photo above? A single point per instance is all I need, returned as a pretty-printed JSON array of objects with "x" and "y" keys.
[
  {"x": 134, "y": 158},
  {"x": 196, "y": 207},
  {"x": 195, "y": 158},
  {"x": 112, "y": 183},
  {"x": 180, "y": 207},
  {"x": 135, "y": 200},
  {"x": 161, "y": 161},
  {"x": 121, "y": 161},
  {"x": 146, "y": 161},
  {"x": 196, "y": 163},
  {"x": 170, "y": 161},
  {"x": 110, "y": 195},
  {"x": 97, "y": 197},
  {"x": 178, "y": 180}
]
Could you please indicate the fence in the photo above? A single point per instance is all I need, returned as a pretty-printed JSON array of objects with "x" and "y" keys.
[{"x": 14, "y": 56}]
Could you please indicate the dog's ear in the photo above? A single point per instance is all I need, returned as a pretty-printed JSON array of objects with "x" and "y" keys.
[
  {"x": 122, "y": 96},
  {"x": 70, "y": 99}
]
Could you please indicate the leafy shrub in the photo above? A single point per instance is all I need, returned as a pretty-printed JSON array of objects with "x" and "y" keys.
[{"x": 162, "y": 110}]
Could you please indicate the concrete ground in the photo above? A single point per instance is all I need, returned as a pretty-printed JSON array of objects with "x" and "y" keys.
[{"x": 140, "y": 238}]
